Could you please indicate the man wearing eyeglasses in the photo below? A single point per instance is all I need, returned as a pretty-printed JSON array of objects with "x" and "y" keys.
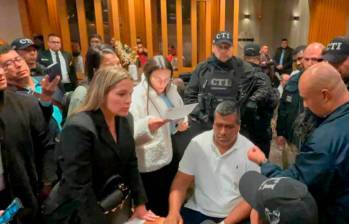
[
  {"x": 25, "y": 146},
  {"x": 26, "y": 48},
  {"x": 291, "y": 104},
  {"x": 337, "y": 54},
  {"x": 56, "y": 55}
]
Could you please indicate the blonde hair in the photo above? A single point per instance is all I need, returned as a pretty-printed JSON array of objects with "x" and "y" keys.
[{"x": 103, "y": 81}]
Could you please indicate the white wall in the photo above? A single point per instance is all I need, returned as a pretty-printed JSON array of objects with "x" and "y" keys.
[
  {"x": 272, "y": 20},
  {"x": 10, "y": 23}
]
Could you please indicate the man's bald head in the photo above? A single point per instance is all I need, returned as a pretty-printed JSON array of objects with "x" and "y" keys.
[
  {"x": 312, "y": 54},
  {"x": 322, "y": 89}
]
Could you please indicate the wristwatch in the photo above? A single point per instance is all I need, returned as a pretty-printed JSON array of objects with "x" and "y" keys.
[{"x": 265, "y": 160}]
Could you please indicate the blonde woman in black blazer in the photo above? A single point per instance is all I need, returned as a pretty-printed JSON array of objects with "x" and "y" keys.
[{"x": 89, "y": 159}]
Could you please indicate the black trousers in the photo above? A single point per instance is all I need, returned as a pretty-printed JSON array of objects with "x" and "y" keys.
[{"x": 157, "y": 186}]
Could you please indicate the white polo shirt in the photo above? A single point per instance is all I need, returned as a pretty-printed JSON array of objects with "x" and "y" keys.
[{"x": 216, "y": 176}]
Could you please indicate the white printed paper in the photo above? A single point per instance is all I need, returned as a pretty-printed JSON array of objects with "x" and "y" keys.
[
  {"x": 176, "y": 113},
  {"x": 135, "y": 221}
]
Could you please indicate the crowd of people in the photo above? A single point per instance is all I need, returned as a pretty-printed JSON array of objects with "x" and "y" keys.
[{"x": 101, "y": 151}]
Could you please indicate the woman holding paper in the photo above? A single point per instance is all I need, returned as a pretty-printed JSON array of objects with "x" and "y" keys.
[{"x": 151, "y": 99}]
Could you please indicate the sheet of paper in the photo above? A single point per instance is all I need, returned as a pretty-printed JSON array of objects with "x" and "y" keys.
[
  {"x": 135, "y": 221},
  {"x": 177, "y": 113}
]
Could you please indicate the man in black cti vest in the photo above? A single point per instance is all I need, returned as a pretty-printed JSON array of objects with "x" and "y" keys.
[
  {"x": 214, "y": 80},
  {"x": 258, "y": 112},
  {"x": 221, "y": 77}
]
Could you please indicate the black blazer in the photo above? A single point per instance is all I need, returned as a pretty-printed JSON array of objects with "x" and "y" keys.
[
  {"x": 26, "y": 152},
  {"x": 287, "y": 61},
  {"x": 45, "y": 59},
  {"x": 88, "y": 160}
]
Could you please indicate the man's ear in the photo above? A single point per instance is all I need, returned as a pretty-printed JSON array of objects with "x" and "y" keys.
[{"x": 326, "y": 95}]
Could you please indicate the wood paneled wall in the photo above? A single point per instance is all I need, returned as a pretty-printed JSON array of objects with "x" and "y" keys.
[
  {"x": 130, "y": 19},
  {"x": 328, "y": 18}
]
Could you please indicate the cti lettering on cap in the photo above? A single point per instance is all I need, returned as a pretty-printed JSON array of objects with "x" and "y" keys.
[
  {"x": 223, "y": 35},
  {"x": 334, "y": 46},
  {"x": 26, "y": 41}
]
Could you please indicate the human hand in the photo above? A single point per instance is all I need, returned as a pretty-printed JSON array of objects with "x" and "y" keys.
[
  {"x": 174, "y": 219},
  {"x": 48, "y": 88},
  {"x": 279, "y": 67},
  {"x": 254, "y": 217},
  {"x": 156, "y": 123},
  {"x": 280, "y": 142},
  {"x": 141, "y": 212},
  {"x": 182, "y": 126},
  {"x": 256, "y": 155}
]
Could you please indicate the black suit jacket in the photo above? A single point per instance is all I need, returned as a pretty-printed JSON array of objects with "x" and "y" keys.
[
  {"x": 88, "y": 160},
  {"x": 287, "y": 61},
  {"x": 45, "y": 59},
  {"x": 26, "y": 150}
]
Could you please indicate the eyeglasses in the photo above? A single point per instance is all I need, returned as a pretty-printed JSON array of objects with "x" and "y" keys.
[
  {"x": 314, "y": 59},
  {"x": 11, "y": 62}
]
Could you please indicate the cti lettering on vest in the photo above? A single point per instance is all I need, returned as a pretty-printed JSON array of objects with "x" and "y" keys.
[{"x": 221, "y": 82}]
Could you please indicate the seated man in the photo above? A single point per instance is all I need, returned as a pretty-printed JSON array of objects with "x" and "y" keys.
[{"x": 215, "y": 160}]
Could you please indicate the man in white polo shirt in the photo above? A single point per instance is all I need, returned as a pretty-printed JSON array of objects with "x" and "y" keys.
[{"x": 215, "y": 160}]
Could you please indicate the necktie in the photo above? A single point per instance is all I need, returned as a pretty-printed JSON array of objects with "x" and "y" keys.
[
  {"x": 58, "y": 61},
  {"x": 282, "y": 57}
]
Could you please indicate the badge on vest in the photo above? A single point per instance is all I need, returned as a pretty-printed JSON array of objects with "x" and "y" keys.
[
  {"x": 289, "y": 98},
  {"x": 221, "y": 82}
]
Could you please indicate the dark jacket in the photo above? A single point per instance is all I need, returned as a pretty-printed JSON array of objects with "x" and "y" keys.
[
  {"x": 287, "y": 60},
  {"x": 323, "y": 166},
  {"x": 258, "y": 93},
  {"x": 257, "y": 111},
  {"x": 45, "y": 59},
  {"x": 88, "y": 161},
  {"x": 291, "y": 105},
  {"x": 197, "y": 78},
  {"x": 27, "y": 151}
]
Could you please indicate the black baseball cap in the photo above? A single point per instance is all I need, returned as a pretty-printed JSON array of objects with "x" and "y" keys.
[
  {"x": 22, "y": 43},
  {"x": 252, "y": 49},
  {"x": 223, "y": 37},
  {"x": 337, "y": 50},
  {"x": 278, "y": 200}
]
